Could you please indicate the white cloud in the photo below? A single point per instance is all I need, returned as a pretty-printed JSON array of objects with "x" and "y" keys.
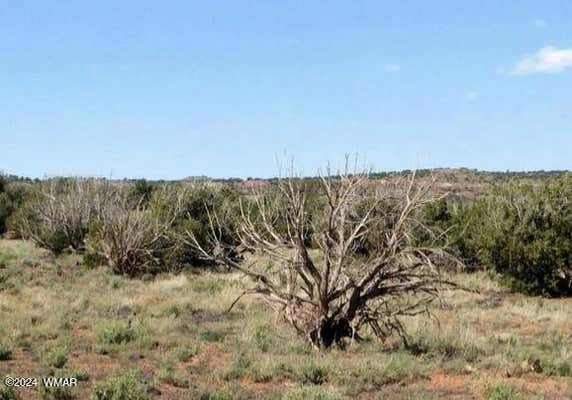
[
  {"x": 546, "y": 60},
  {"x": 392, "y": 67},
  {"x": 540, "y": 23},
  {"x": 471, "y": 95}
]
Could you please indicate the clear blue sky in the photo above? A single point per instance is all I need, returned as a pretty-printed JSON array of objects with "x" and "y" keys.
[{"x": 168, "y": 89}]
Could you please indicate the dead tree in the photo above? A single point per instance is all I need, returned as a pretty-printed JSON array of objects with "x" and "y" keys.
[
  {"x": 129, "y": 237},
  {"x": 351, "y": 265},
  {"x": 59, "y": 212}
]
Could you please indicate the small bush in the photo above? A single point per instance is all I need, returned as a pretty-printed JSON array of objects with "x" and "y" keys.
[
  {"x": 212, "y": 336},
  {"x": 191, "y": 216},
  {"x": 503, "y": 392},
  {"x": 197, "y": 394},
  {"x": 184, "y": 354},
  {"x": 167, "y": 374},
  {"x": 121, "y": 387},
  {"x": 81, "y": 375},
  {"x": 55, "y": 357},
  {"x": 239, "y": 367},
  {"x": 310, "y": 373},
  {"x": 8, "y": 393},
  {"x": 262, "y": 338},
  {"x": 116, "y": 333},
  {"x": 130, "y": 240},
  {"x": 6, "y": 209},
  {"x": 5, "y": 351},
  {"x": 312, "y": 393},
  {"x": 57, "y": 212},
  {"x": 525, "y": 234},
  {"x": 456, "y": 344},
  {"x": 141, "y": 192},
  {"x": 55, "y": 393}
]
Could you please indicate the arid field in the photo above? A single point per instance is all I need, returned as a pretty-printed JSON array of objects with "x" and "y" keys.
[
  {"x": 286, "y": 200},
  {"x": 170, "y": 337}
]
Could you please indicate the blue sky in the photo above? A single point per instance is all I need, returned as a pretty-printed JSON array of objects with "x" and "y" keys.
[{"x": 222, "y": 88}]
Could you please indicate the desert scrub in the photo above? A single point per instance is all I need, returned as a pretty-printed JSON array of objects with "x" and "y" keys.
[
  {"x": 116, "y": 333},
  {"x": 503, "y": 392},
  {"x": 185, "y": 353},
  {"x": 196, "y": 394},
  {"x": 55, "y": 393},
  {"x": 523, "y": 231},
  {"x": 210, "y": 335},
  {"x": 80, "y": 374},
  {"x": 312, "y": 393},
  {"x": 5, "y": 351},
  {"x": 125, "y": 386},
  {"x": 239, "y": 367},
  {"x": 457, "y": 343},
  {"x": 305, "y": 372},
  {"x": 55, "y": 357},
  {"x": 8, "y": 393},
  {"x": 211, "y": 286},
  {"x": 169, "y": 375},
  {"x": 262, "y": 338},
  {"x": 372, "y": 374}
]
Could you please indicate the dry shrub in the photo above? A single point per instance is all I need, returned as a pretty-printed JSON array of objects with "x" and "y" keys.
[
  {"x": 58, "y": 212},
  {"x": 368, "y": 270}
]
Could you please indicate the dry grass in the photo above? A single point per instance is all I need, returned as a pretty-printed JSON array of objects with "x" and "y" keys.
[{"x": 58, "y": 316}]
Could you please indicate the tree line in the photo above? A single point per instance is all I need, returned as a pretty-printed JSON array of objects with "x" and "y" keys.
[{"x": 344, "y": 254}]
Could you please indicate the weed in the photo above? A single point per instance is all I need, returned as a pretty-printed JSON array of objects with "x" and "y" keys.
[
  {"x": 5, "y": 351},
  {"x": 185, "y": 353},
  {"x": 239, "y": 367},
  {"x": 262, "y": 338},
  {"x": 310, "y": 373},
  {"x": 125, "y": 386},
  {"x": 55, "y": 357},
  {"x": 312, "y": 393},
  {"x": 167, "y": 374},
  {"x": 211, "y": 335},
  {"x": 116, "y": 333},
  {"x": 503, "y": 392},
  {"x": 8, "y": 393},
  {"x": 81, "y": 375},
  {"x": 55, "y": 393},
  {"x": 208, "y": 395}
]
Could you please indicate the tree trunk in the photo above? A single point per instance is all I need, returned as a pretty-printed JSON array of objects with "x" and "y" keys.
[{"x": 332, "y": 331}]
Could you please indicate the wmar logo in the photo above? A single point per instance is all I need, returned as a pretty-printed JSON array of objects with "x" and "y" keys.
[{"x": 52, "y": 381}]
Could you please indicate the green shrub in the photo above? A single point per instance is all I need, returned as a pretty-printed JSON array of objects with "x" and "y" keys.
[
  {"x": 168, "y": 374},
  {"x": 525, "y": 234},
  {"x": 8, "y": 393},
  {"x": 55, "y": 392},
  {"x": 5, "y": 351},
  {"x": 6, "y": 209},
  {"x": 212, "y": 336},
  {"x": 55, "y": 357},
  {"x": 116, "y": 333},
  {"x": 262, "y": 338},
  {"x": 310, "y": 373},
  {"x": 446, "y": 345},
  {"x": 81, "y": 375},
  {"x": 186, "y": 353},
  {"x": 312, "y": 393},
  {"x": 192, "y": 217},
  {"x": 239, "y": 367},
  {"x": 503, "y": 392},
  {"x": 196, "y": 394},
  {"x": 141, "y": 192},
  {"x": 120, "y": 387}
]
